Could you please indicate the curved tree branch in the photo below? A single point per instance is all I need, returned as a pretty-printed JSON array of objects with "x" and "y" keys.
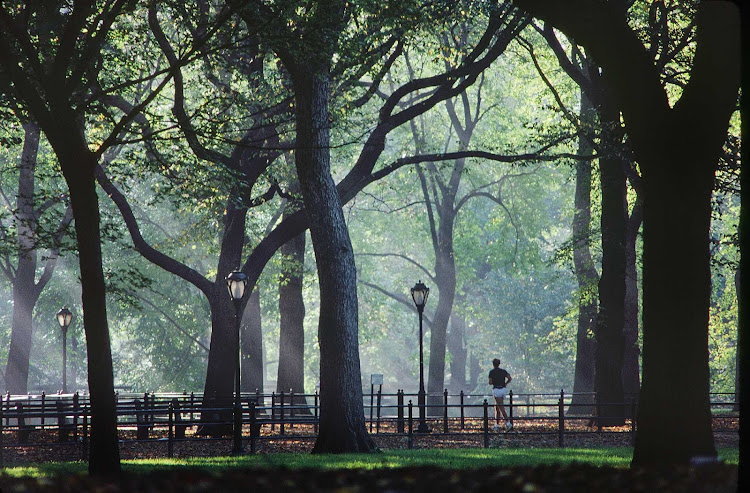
[{"x": 142, "y": 246}]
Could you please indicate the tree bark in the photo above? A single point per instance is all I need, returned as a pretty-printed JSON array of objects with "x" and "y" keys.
[
  {"x": 676, "y": 274},
  {"x": 610, "y": 344},
  {"x": 251, "y": 344},
  {"x": 631, "y": 380},
  {"x": 445, "y": 278},
  {"x": 342, "y": 425},
  {"x": 25, "y": 291},
  {"x": 219, "y": 389},
  {"x": 585, "y": 271},
  {"x": 458, "y": 352},
  {"x": 78, "y": 165},
  {"x": 291, "y": 370}
]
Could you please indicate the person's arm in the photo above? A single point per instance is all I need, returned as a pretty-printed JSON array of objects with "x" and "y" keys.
[
  {"x": 509, "y": 379},
  {"x": 490, "y": 380}
]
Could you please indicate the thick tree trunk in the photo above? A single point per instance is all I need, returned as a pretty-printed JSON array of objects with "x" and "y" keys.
[
  {"x": 445, "y": 277},
  {"x": 458, "y": 352},
  {"x": 219, "y": 385},
  {"x": 586, "y": 275},
  {"x": 342, "y": 424},
  {"x": 609, "y": 322},
  {"x": 25, "y": 292},
  {"x": 74, "y": 362},
  {"x": 674, "y": 416},
  {"x": 475, "y": 371},
  {"x": 291, "y": 370},
  {"x": 251, "y": 344},
  {"x": 78, "y": 166},
  {"x": 631, "y": 381},
  {"x": 222, "y": 360}
]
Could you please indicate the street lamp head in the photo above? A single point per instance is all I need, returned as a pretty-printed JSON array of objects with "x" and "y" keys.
[
  {"x": 419, "y": 294},
  {"x": 64, "y": 318},
  {"x": 236, "y": 283}
]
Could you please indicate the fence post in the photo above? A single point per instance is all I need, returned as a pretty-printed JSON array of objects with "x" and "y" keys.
[
  {"x": 510, "y": 405},
  {"x": 379, "y": 401},
  {"x": 486, "y": 425},
  {"x": 410, "y": 440},
  {"x": 273, "y": 411},
  {"x": 41, "y": 419},
  {"x": 462, "y": 409},
  {"x": 252, "y": 427},
  {"x": 281, "y": 412},
  {"x": 315, "y": 426},
  {"x": 291, "y": 408},
  {"x": 372, "y": 398},
  {"x": 561, "y": 420},
  {"x": 598, "y": 413},
  {"x": 76, "y": 399},
  {"x": 192, "y": 405},
  {"x": 445, "y": 411},
  {"x": 400, "y": 410},
  {"x": 170, "y": 433}
]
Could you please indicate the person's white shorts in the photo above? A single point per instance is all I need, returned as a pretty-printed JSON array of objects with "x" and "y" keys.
[{"x": 499, "y": 393}]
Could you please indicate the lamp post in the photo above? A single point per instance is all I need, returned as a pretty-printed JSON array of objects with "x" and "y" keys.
[
  {"x": 419, "y": 294},
  {"x": 64, "y": 317},
  {"x": 236, "y": 283}
]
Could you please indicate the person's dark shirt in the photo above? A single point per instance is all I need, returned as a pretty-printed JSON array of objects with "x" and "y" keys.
[{"x": 497, "y": 375}]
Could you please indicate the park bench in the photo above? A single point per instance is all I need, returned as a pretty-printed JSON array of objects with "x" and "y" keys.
[
  {"x": 24, "y": 429},
  {"x": 65, "y": 424}
]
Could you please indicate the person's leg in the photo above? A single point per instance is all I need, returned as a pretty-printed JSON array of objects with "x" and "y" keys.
[
  {"x": 498, "y": 409},
  {"x": 500, "y": 405},
  {"x": 508, "y": 422}
]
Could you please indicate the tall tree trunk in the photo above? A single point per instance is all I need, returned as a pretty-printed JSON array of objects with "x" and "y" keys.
[
  {"x": 291, "y": 370},
  {"x": 342, "y": 424},
  {"x": 251, "y": 344},
  {"x": 631, "y": 381},
  {"x": 25, "y": 292},
  {"x": 609, "y": 323},
  {"x": 676, "y": 296},
  {"x": 586, "y": 275},
  {"x": 78, "y": 165},
  {"x": 220, "y": 371},
  {"x": 445, "y": 277},
  {"x": 458, "y": 352},
  {"x": 74, "y": 362}
]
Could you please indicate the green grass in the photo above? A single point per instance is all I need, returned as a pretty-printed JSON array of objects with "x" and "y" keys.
[{"x": 446, "y": 458}]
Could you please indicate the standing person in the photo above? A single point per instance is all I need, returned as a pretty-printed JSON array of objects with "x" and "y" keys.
[{"x": 499, "y": 378}]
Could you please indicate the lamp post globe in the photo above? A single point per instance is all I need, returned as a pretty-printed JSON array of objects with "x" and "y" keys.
[
  {"x": 236, "y": 284},
  {"x": 419, "y": 294},
  {"x": 64, "y": 318}
]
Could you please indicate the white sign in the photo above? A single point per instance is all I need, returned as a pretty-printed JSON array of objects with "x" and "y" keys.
[{"x": 376, "y": 379}]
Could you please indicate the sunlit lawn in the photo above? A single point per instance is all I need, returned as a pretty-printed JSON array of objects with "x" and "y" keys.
[{"x": 445, "y": 458}]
